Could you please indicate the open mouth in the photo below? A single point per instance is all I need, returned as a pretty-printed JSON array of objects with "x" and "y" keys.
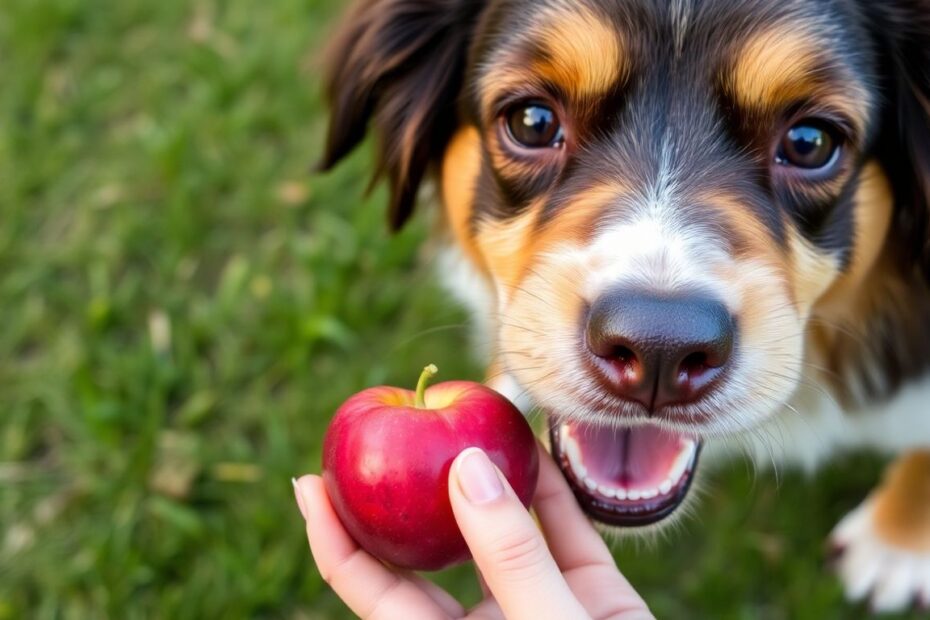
[{"x": 625, "y": 476}]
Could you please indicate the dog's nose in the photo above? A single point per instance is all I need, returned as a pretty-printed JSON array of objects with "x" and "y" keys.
[{"x": 660, "y": 350}]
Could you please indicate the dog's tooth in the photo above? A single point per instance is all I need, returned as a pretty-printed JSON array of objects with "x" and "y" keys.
[
  {"x": 649, "y": 493},
  {"x": 692, "y": 452},
  {"x": 580, "y": 470},
  {"x": 621, "y": 493},
  {"x": 590, "y": 484},
  {"x": 665, "y": 487},
  {"x": 570, "y": 449},
  {"x": 682, "y": 461},
  {"x": 574, "y": 458},
  {"x": 634, "y": 494},
  {"x": 574, "y": 453},
  {"x": 606, "y": 491},
  {"x": 568, "y": 446}
]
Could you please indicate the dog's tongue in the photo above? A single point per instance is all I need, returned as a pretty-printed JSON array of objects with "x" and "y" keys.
[{"x": 641, "y": 457}]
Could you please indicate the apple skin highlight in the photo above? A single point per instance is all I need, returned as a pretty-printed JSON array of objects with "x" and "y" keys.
[{"x": 386, "y": 466}]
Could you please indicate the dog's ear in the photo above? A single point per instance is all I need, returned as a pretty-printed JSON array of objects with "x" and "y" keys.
[
  {"x": 902, "y": 33},
  {"x": 399, "y": 65}
]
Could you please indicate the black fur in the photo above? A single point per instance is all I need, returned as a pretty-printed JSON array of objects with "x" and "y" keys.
[
  {"x": 398, "y": 64},
  {"x": 901, "y": 29}
]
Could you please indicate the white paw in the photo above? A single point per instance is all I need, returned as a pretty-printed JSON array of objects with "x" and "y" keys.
[{"x": 894, "y": 579}]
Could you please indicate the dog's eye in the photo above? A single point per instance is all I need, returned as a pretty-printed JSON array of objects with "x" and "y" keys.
[
  {"x": 534, "y": 126},
  {"x": 809, "y": 144}
]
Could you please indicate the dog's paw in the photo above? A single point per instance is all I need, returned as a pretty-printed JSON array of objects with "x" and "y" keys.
[{"x": 894, "y": 579}]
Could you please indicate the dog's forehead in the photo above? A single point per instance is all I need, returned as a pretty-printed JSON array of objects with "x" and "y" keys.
[
  {"x": 587, "y": 48},
  {"x": 513, "y": 21}
]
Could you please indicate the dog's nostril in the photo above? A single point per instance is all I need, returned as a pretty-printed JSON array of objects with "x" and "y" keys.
[
  {"x": 627, "y": 365},
  {"x": 695, "y": 373},
  {"x": 694, "y": 364},
  {"x": 623, "y": 355}
]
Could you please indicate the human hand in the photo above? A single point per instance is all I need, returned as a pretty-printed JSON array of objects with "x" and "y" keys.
[{"x": 523, "y": 577}]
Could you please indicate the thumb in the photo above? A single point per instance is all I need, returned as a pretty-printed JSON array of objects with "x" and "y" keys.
[{"x": 508, "y": 548}]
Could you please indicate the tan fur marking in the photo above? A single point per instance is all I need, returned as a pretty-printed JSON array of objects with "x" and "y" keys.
[
  {"x": 902, "y": 503},
  {"x": 511, "y": 246},
  {"x": 759, "y": 278},
  {"x": 507, "y": 247},
  {"x": 576, "y": 221},
  {"x": 544, "y": 299},
  {"x": 585, "y": 58},
  {"x": 748, "y": 234},
  {"x": 774, "y": 65},
  {"x": 873, "y": 213},
  {"x": 585, "y": 54},
  {"x": 778, "y": 66},
  {"x": 759, "y": 272},
  {"x": 813, "y": 272},
  {"x": 461, "y": 165},
  {"x": 868, "y": 283}
]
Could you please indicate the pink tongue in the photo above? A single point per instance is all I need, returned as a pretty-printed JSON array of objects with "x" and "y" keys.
[{"x": 638, "y": 457}]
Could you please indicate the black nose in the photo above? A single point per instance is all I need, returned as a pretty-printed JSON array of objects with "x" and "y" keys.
[{"x": 660, "y": 350}]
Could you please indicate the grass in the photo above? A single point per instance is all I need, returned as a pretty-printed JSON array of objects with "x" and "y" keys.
[{"x": 183, "y": 306}]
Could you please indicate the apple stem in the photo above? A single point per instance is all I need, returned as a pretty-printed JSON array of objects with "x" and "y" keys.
[{"x": 425, "y": 376}]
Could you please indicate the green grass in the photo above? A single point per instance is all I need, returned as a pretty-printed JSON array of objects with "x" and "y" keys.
[{"x": 183, "y": 306}]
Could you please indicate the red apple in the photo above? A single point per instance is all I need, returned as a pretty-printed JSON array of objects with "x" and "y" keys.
[{"x": 386, "y": 459}]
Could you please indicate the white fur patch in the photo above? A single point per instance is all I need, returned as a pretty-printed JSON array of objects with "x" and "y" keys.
[
  {"x": 892, "y": 578},
  {"x": 650, "y": 252},
  {"x": 815, "y": 427}
]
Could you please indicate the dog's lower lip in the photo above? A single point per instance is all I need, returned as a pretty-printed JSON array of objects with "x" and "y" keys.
[{"x": 624, "y": 503}]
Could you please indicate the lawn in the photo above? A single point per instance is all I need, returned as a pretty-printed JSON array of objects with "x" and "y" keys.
[{"x": 184, "y": 305}]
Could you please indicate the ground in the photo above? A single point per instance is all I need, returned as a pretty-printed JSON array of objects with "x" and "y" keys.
[{"x": 184, "y": 305}]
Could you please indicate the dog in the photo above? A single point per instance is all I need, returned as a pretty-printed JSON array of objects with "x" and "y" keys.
[{"x": 680, "y": 224}]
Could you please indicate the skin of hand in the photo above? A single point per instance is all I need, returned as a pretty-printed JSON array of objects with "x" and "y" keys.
[{"x": 563, "y": 572}]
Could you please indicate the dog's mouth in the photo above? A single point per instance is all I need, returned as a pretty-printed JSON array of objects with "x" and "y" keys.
[{"x": 625, "y": 476}]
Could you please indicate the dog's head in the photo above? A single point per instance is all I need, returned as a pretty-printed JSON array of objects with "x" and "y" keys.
[{"x": 667, "y": 201}]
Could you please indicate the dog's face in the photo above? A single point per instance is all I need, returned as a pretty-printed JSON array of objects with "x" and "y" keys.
[{"x": 662, "y": 198}]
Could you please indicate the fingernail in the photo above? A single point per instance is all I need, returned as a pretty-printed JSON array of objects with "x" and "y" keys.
[
  {"x": 300, "y": 498},
  {"x": 477, "y": 477}
]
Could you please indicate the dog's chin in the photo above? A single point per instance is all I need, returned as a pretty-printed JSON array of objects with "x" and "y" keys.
[{"x": 632, "y": 477}]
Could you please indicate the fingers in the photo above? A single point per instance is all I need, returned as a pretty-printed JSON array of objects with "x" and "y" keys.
[
  {"x": 573, "y": 540},
  {"x": 369, "y": 588},
  {"x": 446, "y": 601},
  {"x": 579, "y": 550},
  {"x": 488, "y": 609},
  {"x": 507, "y": 546}
]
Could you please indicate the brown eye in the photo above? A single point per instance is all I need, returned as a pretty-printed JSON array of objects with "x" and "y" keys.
[
  {"x": 534, "y": 126},
  {"x": 809, "y": 144}
]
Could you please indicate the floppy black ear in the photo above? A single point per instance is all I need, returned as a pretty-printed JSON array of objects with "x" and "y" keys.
[
  {"x": 902, "y": 29},
  {"x": 398, "y": 64}
]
